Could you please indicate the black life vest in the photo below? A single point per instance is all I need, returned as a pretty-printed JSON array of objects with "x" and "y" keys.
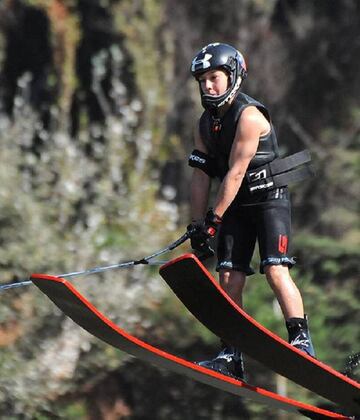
[{"x": 218, "y": 135}]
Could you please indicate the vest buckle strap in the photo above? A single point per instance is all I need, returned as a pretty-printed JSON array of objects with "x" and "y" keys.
[{"x": 280, "y": 172}]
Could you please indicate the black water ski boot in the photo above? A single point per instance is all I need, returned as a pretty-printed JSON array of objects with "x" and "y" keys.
[
  {"x": 299, "y": 335},
  {"x": 228, "y": 362}
]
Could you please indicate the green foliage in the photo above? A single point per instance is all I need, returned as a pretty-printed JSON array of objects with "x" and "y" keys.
[
  {"x": 141, "y": 27},
  {"x": 76, "y": 410}
]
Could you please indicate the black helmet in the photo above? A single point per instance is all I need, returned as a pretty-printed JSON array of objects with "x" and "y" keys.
[{"x": 219, "y": 56}]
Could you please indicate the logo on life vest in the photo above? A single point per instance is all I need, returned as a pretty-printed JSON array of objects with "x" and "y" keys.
[
  {"x": 261, "y": 186},
  {"x": 255, "y": 176}
]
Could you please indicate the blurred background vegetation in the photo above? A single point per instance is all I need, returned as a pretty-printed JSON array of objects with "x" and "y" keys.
[{"x": 96, "y": 118}]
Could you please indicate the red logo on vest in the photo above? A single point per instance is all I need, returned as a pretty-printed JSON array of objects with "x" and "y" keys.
[{"x": 283, "y": 244}]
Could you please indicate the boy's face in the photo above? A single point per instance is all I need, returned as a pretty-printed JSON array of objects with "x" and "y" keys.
[{"x": 214, "y": 82}]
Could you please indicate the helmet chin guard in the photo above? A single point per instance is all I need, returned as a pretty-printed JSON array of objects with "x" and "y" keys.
[{"x": 224, "y": 57}]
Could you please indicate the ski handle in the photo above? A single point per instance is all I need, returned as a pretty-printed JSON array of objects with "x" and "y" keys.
[{"x": 100, "y": 269}]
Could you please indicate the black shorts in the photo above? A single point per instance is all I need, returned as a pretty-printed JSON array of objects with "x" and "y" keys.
[{"x": 268, "y": 222}]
